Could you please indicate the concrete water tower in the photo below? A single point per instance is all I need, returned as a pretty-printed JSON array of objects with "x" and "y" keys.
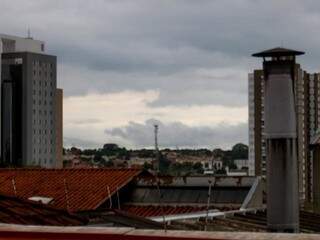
[{"x": 281, "y": 139}]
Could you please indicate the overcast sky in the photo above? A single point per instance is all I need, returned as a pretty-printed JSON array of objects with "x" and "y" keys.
[{"x": 125, "y": 65}]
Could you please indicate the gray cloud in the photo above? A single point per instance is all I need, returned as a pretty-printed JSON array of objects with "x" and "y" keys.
[
  {"x": 192, "y": 52},
  {"x": 180, "y": 135},
  {"x": 149, "y": 44}
]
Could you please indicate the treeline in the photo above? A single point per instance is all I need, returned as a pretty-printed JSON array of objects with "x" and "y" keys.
[{"x": 167, "y": 165}]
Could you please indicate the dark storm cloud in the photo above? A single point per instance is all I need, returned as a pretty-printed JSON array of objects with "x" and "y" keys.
[{"x": 179, "y": 135}]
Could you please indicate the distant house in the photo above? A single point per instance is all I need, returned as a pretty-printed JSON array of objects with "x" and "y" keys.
[{"x": 241, "y": 163}]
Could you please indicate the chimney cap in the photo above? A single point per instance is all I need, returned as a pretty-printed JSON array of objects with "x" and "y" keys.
[{"x": 277, "y": 52}]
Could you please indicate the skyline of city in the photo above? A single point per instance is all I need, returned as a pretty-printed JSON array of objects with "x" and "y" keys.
[
  {"x": 182, "y": 63},
  {"x": 159, "y": 119}
]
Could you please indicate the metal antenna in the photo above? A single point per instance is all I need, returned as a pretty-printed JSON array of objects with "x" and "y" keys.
[
  {"x": 208, "y": 205},
  {"x": 160, "y": 205},
  {"x": 14, "y": 186},
  {"x": 156, "y": 129},
  {"x": 66, "y": 192},
  {"x": 118, "y": 197},
  {"x": 29, "y": 34},
  {"x": 109, "y": 195}
]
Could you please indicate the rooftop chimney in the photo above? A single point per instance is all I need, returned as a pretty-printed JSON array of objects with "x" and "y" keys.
[{"x": 281, "y": 139}]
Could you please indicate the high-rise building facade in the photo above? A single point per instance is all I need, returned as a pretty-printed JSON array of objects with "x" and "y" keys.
[
  {"x": 59, "y": 128},
  {"x": 31, "y": 130},
  {"x": 307, "y": 103}
]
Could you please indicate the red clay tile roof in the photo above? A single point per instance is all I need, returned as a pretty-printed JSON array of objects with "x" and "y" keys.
[
  {"x": 154, "y": 211},
  {"x": 17, "y": 211},
  {"x": 86, "y": 189}
]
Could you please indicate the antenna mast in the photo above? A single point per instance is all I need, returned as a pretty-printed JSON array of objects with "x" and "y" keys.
[
  {"x": 29, "y": 34},
  {"x": 156, "y": 129}
]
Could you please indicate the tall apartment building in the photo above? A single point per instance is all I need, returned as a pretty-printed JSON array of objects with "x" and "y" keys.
[
  {"x": 307, "y": 102},
  {"x": 30, "y": 135},
  {"x": 59, "y": 128}
]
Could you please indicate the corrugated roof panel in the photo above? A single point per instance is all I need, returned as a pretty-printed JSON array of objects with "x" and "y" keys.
[{"x": 154, "y": 211}]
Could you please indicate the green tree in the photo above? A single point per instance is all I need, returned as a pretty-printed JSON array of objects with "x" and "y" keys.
[
  {"x": 164, "y": 164},
  {"x": 198, "y": 168},
  {"x": 221, "y": 171},
  {"x": 239, "y": 151},
  {"x": 147, "y": 166}
]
